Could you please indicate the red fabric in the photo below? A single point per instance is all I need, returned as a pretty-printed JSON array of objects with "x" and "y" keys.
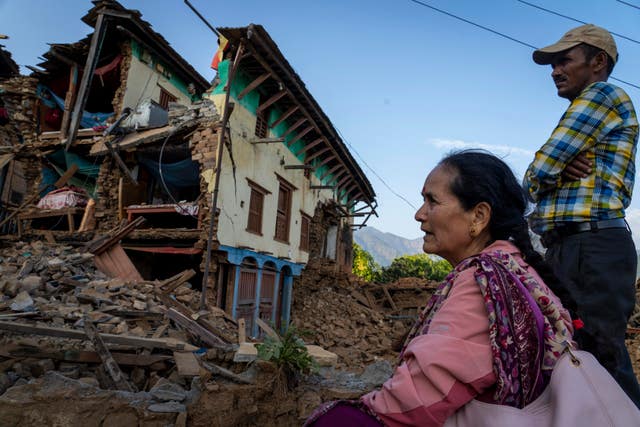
[{"x": 219, "y": 55}]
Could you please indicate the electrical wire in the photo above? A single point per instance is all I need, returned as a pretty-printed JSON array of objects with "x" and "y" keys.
[
  {"x": 573, "y": 19},
  {"x": 395, "y": 193},
  {"x": 421, "y": 3},
  {"x": 629, "y": 4}
]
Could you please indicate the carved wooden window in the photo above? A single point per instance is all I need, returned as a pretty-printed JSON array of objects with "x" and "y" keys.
[
  {"x": 305, "y": 228},
  {"x": 256, "y": 205},
  {"x": 283, "y": 212},
  {"x": 166, "y": 98}
]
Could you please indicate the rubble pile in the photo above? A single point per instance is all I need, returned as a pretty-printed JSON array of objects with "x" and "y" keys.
[
  {"x": 360, "y": 322},
  {"x": 52, "y": 297}
]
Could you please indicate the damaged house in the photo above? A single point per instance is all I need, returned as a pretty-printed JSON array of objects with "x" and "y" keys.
[{"x": 244, "y": 182}]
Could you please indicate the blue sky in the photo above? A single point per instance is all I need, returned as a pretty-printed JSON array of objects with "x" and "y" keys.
[{"x": 404, "y": 84}]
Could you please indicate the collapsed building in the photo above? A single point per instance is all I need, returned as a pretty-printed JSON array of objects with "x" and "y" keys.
[{"x": 244, "y": 181}]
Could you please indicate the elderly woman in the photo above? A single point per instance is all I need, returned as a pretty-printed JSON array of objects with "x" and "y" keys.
[{"x": 493, "y": 330}]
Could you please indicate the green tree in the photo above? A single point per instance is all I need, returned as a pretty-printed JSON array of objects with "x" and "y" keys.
[
  {"x": 364, "y": 266},
  {"x": 419, "y": 265}
]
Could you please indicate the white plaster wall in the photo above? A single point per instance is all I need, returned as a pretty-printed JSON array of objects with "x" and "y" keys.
[
  {"x": 143, "y": 83},
  {"x": 260, "y": 163}
]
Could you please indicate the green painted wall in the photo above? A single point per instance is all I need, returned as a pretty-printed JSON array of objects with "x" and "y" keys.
[
  {"x": 176, "y": 81},
  {"x": 251, "y": 102}
]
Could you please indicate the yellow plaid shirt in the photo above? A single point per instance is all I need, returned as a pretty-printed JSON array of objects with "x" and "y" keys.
[{"x": 602, "y": 123}]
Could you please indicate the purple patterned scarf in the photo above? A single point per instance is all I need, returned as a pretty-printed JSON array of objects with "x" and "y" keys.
[{"x": 527, "y": 330}]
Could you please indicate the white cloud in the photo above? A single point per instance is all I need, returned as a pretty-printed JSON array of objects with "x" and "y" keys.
[{"x": 456, "y": 144}]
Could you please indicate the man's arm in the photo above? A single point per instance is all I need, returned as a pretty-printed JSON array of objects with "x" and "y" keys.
[{"x": 588, "y": 118}]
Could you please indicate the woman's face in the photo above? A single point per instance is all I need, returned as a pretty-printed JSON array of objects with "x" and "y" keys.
[{"x": 446, "y": 225}]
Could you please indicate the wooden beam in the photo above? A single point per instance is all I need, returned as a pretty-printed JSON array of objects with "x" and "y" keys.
[
  {"x": 326, "y": 160},
  {"x": 110, "y": 365},
  {"x": 69, "y": 100},
  {"x": 266, "y": 140},
  {"x": 254, "y": 84},
  {"x": 317, "y": 154},
  {"x": 300, "y": 135},
  {"x": 309, "y": 146},
  {"x": 168, "y": 343},
  {"x": 201, "y": 332},
  {"x": 332, "y": 170},
  {"x": 285, "y": 116},
  {"x": 337, "y": 177},
  {"x": 343, "y": 180},
  {"x": 294, "y": 126},
  {"x": 299, "y": 167},
  {"x": 271, "y": 101},
  {"x": 87, "y": 75}
]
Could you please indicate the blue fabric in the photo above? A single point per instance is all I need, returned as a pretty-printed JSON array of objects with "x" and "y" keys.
[
  {"x": 182, "y": 174},
  {"x": 88, "y": 120}
]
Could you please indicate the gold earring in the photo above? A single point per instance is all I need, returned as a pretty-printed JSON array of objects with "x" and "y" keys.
[{"x": 472, "y": 232}]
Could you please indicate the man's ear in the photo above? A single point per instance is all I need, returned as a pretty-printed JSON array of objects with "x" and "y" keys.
[
  {"x": 599, "y": 62},
  {"x": 482, "y": 215}
]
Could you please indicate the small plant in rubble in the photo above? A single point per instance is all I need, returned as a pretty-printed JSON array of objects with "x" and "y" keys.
[{"x": 290, "y": 355}]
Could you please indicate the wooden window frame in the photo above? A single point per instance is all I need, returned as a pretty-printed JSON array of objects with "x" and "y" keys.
[
  {"x": 261, "y": 192},
  {"x": 283, "y": 215},
  {"x": 262, "y": 126},
  {"x": 165, "y": 98},
  {"x": 305, "y": 240}
]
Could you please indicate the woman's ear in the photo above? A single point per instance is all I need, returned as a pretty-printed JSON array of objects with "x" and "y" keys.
[{"x": 481, "y": 216}]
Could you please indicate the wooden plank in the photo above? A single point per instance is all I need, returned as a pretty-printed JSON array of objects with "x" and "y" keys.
[
  {"x": 187, "y": 364},
  {"x": 110, "y": 365},
  {"x": 266, "y": 140},
  {"x": 88, "y": 219},
  {"x": 66, "y": 176},
  {"x": 69, "y": 100},
  {"x": 102, "y": 243},
  {"x": 174, "y": 282},
  {"x": 168, "y": 343},
  {"x": 115, "y": 263},
  {"x": 388, "y": 296},
  {"x": 242, "y": 331},
  {"x": 267, "y": 329},
  {"x": 254, "y": 84},
  {"x": 87, "y": 76},
  {"x": 205, "y": 335},
  {"x": 83, "y": 356},
  {"x": 219, "y": 370}
]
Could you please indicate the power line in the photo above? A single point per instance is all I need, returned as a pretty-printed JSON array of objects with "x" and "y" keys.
[
  {"x": 574, "y": 19},
  {"x": 473, "y": 23},
  {"x": 629, "y": 4},
  {"x": 395, "y": 193},
  {"x": 421, "y": 3}
]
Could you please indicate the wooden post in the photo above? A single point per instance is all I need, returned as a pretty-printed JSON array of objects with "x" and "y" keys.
[
  {"x": 69, "y": 101},
  {"x": 87, "y": 76}
]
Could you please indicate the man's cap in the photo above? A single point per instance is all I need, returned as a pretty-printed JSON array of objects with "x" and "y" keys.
[{"x": 589, "y": 34}]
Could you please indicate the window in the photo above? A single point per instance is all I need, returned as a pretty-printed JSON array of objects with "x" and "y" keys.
[
  {"x": 166, "y": 98},
  {"x": 261, "y": 126},
  {"x": 283, "y": 213},
  {"x": 256, "y": 204},
  {"x": 305, "y": 226}
]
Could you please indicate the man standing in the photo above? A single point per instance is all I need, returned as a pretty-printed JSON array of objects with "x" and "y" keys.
[{"x": 582, "y": 179}]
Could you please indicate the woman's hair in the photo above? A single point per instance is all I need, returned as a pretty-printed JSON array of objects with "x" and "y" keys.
[{"x": 482, "y": 177}]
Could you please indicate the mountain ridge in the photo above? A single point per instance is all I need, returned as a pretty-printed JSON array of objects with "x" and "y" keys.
[{"x": 384, "y": 247}]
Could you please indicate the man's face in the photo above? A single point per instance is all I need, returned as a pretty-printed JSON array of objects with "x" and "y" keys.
[{"x": 572, "y": 73}]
